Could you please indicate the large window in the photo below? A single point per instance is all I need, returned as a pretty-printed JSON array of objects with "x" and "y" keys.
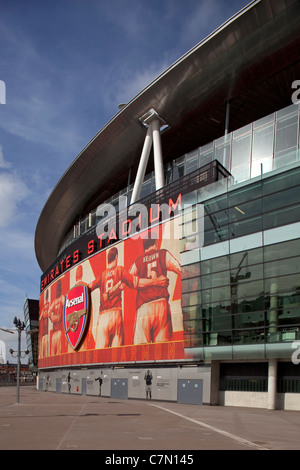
[
  {"x": 262, "y": 150},
  {"x": 288, "y": 378},
  {"x": 244, "y": 297},
  {"x": 241, "y": 153},
  {"x": 286, "y": 138},
  {"x": 245, "y": 377},
  {"x": 271, "y": 202}
]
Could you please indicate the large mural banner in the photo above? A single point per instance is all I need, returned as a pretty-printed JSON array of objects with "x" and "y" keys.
[{"x": 121, "y": 305}]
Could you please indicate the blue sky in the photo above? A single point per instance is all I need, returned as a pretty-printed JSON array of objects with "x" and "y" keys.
[{"x": 66, "y": 65}]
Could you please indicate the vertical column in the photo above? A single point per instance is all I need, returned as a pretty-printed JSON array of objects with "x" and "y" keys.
[
  {"x": 227, "y": 117},
  {"x": 19, "y": 365},
  {"x": 152, "y": 121},
  {"x": 272, "y": 384},
  {"x": 158, "y": 160},
  {"x": 142, "y": 165},
  {"x": 273, "y": 313},
  {"x": 215, "y": 383}
]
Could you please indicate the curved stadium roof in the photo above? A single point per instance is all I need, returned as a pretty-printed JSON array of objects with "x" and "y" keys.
[{"x": 251, "y": 60}]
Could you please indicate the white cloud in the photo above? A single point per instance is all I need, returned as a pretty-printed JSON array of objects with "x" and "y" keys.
[
  {"x": 3, "y": 163},
  {"x": 125, "y": 18},
  {"x": 199, "y": 23},
  {"x": 128, "y": 82},
  {"x": 10, "y": 341},
  {"x": 206, "y": 17},
  {"x": 19, "y": 274},
  {"x": 12, "y": 192},
  {"x": 17, "y": 241}
]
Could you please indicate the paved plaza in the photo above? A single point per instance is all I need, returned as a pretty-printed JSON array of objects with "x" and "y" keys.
[{"x": 51, "y": 421}]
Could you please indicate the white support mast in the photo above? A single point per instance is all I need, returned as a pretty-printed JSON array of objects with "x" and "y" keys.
[{"x": 153, "y": 123}]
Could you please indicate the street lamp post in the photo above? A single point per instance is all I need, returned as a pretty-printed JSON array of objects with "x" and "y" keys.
[{"x": 20, "y": 326}]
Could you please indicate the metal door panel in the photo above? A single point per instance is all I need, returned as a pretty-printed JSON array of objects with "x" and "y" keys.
[
  {"x": 190, "y": 391},
  {"x": 119, "y": 389}
]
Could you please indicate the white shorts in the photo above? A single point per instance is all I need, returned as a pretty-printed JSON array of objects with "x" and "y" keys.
[
  {"x": 110, "y": 329},
  {"x": 153, "y": 322}
]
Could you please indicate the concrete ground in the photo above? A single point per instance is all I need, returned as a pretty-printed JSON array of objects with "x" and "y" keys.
[{"x": 50, "y": 421}]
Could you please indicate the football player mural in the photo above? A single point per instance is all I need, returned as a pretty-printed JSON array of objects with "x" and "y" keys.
[{"x": 122, "y": 304}]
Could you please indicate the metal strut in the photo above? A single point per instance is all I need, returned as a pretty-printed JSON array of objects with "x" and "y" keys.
[{"x": 153, "y": 122}]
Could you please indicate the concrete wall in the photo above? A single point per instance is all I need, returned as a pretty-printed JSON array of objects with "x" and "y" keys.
[
  {"x": 164, "y": 387},
  {"x": 288, "y": 401},
  {"x": 284, "y": 401},
  {"x": 247, "y": 399}
]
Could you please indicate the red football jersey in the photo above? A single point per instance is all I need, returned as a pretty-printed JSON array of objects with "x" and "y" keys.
[
  {"x": 110, "y": 282},
  {"x": 151, "y": 265}
]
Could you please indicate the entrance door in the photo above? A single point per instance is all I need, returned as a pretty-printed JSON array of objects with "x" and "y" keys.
[
  {"x": 190, "y": 391},
  {"x": 41, "y": 383},
  {"x": 58, "y": 385},
  {"x": 83, "y": 386},
  {"x": 119, "y": 389}
]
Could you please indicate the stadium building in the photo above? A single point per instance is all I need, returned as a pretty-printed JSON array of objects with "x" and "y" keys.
[{"x": 171, "y": 243}]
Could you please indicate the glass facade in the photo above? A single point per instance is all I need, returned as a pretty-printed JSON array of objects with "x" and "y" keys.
[
  {"x": 31, "y": 317},
  {"x": 245, "y": 286}
]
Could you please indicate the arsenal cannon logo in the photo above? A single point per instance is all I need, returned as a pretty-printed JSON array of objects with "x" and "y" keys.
[{"x": 76, "y": 312}]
